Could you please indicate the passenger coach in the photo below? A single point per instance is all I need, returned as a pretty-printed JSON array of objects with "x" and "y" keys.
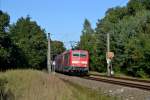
[{"x": 73, "y": 61}]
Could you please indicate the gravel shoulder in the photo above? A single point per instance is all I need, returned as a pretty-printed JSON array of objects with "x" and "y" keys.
[{"x": 121, "y": 92}]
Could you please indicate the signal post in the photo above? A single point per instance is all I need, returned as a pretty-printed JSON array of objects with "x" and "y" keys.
[
  {"x": 49, "y": 54},
  {"x": 109, "y": 56}
]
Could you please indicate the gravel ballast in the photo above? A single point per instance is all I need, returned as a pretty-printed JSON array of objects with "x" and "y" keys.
[{"x": 121, "y": 92}]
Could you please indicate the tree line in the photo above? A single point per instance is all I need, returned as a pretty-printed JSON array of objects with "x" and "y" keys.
[
  {"x": 129, "y": 29},
  {"x": 24, "y": 44}
]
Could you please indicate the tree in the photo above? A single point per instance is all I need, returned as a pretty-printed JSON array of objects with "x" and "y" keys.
[
  {"x": 4, "y": 40},
  {"x": 10, "y": 54},
  {"x": 129, "y": 36},
  {"x": 86, "y": 36},
  {"x": 135, "y": 6},
  {"x": 114, "y": 15},
  {"x": 57, "y": 47},
  {"x": 31, "y": 39},
  {"x": 129, "y": 29},
  {"x": 87, "y": 41}
]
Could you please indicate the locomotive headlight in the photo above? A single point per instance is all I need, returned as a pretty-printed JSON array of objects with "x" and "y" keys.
[
  {"x": 75, "y": 62},
  {"x": 84, "y": 62}
]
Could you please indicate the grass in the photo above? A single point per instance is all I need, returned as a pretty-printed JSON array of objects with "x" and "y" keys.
[{"x": 37, "y": 85}]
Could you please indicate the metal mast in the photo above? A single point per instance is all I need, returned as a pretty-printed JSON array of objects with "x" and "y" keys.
[
  {"x": 49, "y": 54},
  {"x": 108, "y": 50}
]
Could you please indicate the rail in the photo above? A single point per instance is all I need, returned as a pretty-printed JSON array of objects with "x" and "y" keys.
[{"x": 134, "y": 83}]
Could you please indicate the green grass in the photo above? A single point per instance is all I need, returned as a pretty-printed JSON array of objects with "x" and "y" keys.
[{"x": 37, "y": 85}]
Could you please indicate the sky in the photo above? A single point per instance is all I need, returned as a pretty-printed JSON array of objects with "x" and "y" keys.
[{"x": 62, "y": 18}]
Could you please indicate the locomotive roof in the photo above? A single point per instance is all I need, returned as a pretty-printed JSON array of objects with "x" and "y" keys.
[
  {"x": 74, "y": 50},
  {"x": 70, "y": 51}
]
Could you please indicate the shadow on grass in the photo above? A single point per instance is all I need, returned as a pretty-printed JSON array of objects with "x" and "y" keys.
[{"x": 5, "y": 94}]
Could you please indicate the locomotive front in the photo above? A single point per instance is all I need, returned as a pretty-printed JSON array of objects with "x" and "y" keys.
[
  {"x": 79, "y": 61},
  {"x": 73, "y": 61}
]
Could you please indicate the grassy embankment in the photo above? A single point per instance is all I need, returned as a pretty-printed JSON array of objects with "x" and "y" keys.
[{"x": 36, "y": 85}]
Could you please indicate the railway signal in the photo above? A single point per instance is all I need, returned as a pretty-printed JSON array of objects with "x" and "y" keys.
[{"x": 110, "y": 55}]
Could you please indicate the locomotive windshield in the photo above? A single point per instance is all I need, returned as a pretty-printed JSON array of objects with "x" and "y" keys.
[
  {"x": 77, "y": 54},
  {"x": 82, "y": 55}
]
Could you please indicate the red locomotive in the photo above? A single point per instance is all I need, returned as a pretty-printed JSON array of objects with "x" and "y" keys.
[{"x": 73, "y": 61}]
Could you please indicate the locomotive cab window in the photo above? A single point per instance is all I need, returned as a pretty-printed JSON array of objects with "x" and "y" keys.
[
  {"x": 76, "y": 54},
  {"x": 82, "y": 55}
]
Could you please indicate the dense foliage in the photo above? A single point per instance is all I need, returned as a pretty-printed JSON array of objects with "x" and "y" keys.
[
  {"x": 129, "y": 29},
  {"x": 28, "y": 36},
  {"x": 57, "y": 47},
  {"x": 87, "y": 40},
  {"x": 10, "y": 54},
  {"x": 24, "y": 44}
]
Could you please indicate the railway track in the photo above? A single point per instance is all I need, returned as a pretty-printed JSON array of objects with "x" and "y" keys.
[
  {"x": 129, "y": 82},
  {"x": 124, "y": 78}
]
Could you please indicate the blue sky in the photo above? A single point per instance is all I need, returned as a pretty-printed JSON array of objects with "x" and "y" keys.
[{"x": 63, "y": 18}]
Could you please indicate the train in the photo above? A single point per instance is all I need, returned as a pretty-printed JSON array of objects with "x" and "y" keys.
[{"x": 72, "y": 61}]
